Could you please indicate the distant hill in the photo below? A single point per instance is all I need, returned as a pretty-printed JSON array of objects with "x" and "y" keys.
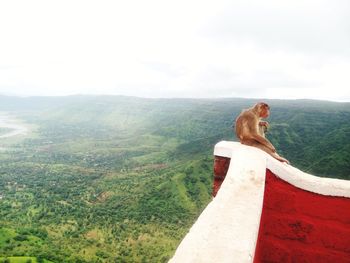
[
  {"x": 121, "y": 179},
  {"x": 299, "y": 128}
]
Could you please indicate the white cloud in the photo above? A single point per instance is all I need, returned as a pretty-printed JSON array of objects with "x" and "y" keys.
[{"x": 272, "y": 49}]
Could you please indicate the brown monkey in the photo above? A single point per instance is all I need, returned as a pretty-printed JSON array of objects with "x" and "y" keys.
[{"x": 250, "y": 130}]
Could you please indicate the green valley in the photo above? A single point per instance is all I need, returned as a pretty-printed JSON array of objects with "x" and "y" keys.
[{"x": 122, "y": 179}]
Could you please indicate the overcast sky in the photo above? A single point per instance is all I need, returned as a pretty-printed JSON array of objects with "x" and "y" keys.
[{"x": 184, "y": 48}]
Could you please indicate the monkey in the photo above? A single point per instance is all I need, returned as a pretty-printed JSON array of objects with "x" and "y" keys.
[{"x": 250, "y": 130}]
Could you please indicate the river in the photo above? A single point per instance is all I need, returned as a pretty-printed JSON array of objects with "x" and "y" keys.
[{"x": 10, "y": 123}]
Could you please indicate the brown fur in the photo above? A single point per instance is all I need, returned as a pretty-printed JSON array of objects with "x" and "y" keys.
[{"x": 250, "y": 129}]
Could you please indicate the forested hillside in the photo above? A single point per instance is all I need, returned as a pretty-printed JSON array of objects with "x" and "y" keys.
[{"x": 121, "y": 179}]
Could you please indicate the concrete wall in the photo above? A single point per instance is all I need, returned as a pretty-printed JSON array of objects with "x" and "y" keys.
[
  {"x": 267, "y": 211},
  {"x": 302, "y": 226}
]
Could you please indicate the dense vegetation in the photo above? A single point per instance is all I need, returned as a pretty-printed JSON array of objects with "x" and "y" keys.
[{"x": 120, "y": 179}]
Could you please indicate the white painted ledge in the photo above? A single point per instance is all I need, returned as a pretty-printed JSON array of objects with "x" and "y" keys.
[
  {"x": 227, "y": 229},
  {"x": 292, "y": 175}
]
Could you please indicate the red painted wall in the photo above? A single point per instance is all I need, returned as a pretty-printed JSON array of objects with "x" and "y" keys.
[
  {"x": 221, "y": 165},
  {"x": 298, "y": 226}
]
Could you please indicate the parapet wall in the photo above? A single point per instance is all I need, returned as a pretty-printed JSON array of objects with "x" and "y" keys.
[
  {"x": 268, "y": 211},
  {"x": 302, "y": 226}
]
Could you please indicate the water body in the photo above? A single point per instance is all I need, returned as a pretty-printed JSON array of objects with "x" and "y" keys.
[{"x": 10, "y": 123}]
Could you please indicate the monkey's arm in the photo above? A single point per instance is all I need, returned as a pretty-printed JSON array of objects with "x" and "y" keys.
[
  {"x": 254, "y": 132},
  {"x": 263, "y": 126},
  {"x": 251, "y": 132}
]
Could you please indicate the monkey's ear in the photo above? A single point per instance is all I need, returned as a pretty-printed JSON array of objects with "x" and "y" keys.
[
  {"x": 265, "y": 105},
  {"x": 261, "y": 105}
]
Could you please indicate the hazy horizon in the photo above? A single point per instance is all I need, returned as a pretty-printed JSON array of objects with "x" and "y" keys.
[{"x": 175, "y": 98}]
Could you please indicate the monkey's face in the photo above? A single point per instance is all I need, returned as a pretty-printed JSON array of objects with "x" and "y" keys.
[{"x": 264, "y": 112}]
